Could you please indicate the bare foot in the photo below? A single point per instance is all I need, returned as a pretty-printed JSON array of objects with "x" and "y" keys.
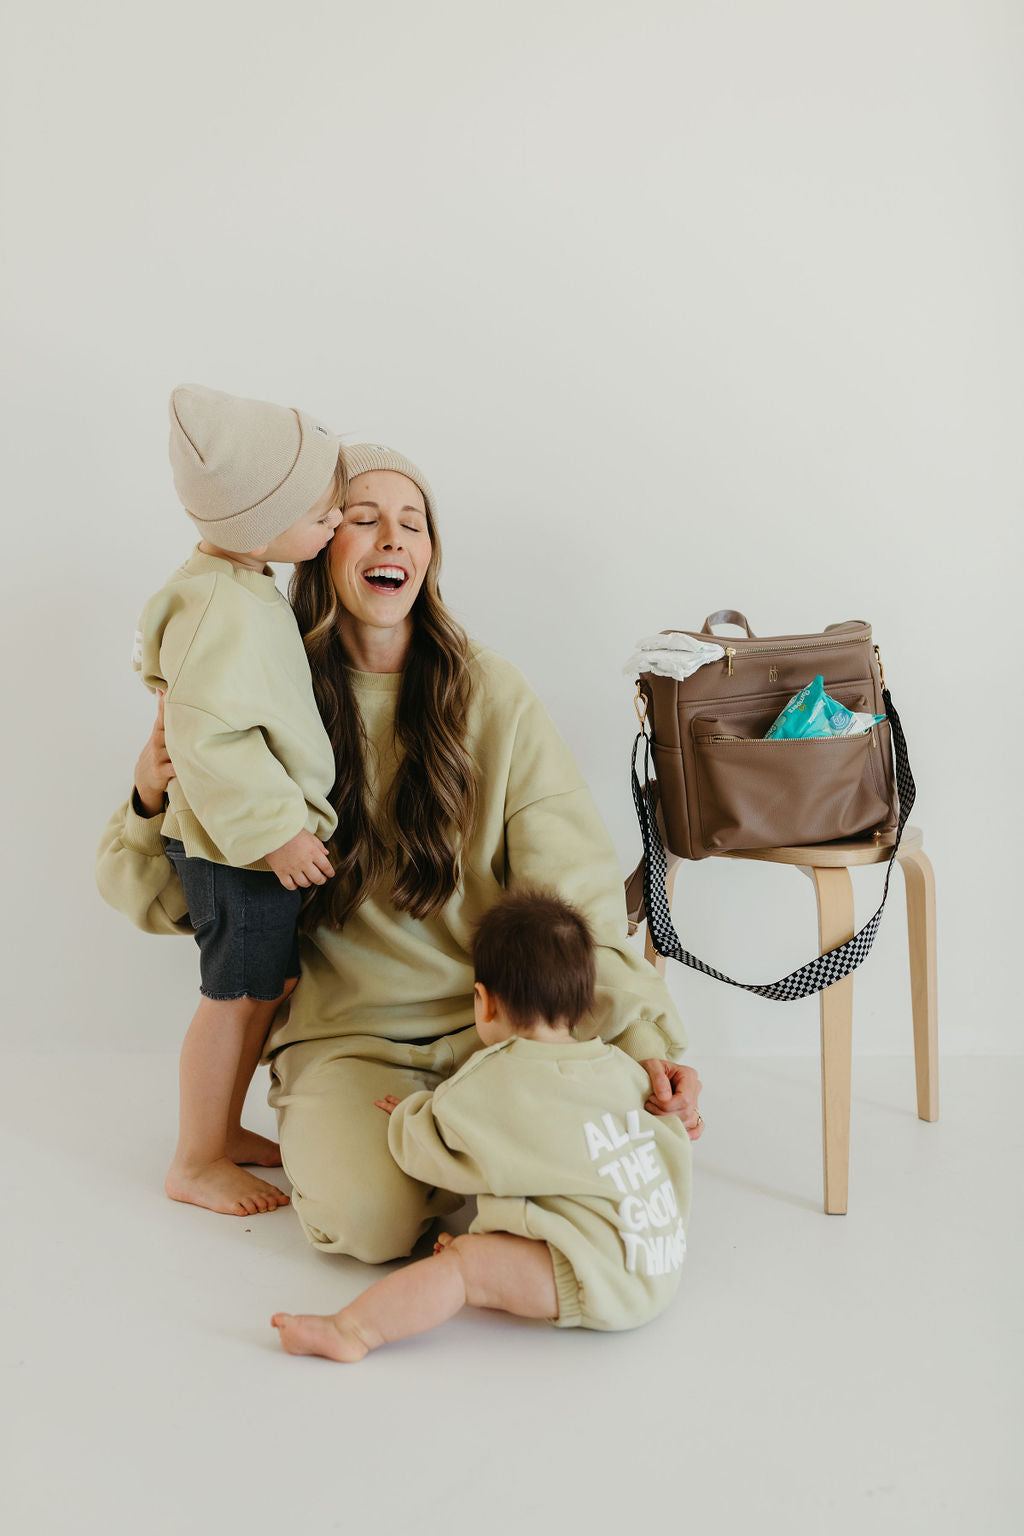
[
  {"x": 442, "y": 1241},
  {"x": 313, "y": 1335},
  {"x": 222, "y": 1187},
  {"x": 247, "y": 1147}
]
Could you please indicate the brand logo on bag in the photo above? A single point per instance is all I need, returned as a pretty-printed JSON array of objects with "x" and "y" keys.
[{"x": 773, "y": 674}]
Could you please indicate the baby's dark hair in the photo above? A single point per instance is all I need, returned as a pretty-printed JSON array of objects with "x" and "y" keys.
[{"x": 535, "y": 953}]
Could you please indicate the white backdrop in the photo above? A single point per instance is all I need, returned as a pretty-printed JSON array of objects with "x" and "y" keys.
[{"x": 681, "y": 305}]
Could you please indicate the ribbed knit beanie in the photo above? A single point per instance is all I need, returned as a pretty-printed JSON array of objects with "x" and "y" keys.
[
  {"x": 361, "y": 458},
  {"x": 246, "y": 470}
]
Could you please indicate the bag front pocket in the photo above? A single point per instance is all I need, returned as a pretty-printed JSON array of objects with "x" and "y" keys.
[
  {"x": 767, "y": 794},
  {"x": 751, "y": 715}
]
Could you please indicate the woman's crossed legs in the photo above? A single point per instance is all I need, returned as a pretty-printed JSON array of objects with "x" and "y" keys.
[{"x": 348, "y": 1192}]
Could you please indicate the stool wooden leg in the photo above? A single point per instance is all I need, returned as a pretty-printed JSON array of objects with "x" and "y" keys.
[
  {"x": 920, "y": 880},
  {"x": 835, "y": 925},
  {"x": 650, "y": 953}
]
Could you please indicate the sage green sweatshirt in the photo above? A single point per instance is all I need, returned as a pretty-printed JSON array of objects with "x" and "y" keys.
[
  {"x": 254, "y": 764},
  {"x": 395, "y": 977},
  {"x": 554, "y": 1141}
]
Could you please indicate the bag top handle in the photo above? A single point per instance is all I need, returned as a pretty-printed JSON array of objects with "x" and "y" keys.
[{"x": 727, "y": 616}]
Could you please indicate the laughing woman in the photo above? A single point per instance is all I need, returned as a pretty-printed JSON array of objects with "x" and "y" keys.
[{"x": 452, "y": 787}]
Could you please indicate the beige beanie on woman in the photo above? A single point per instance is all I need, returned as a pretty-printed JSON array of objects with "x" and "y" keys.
[
  {"x": 246, "y": 470},
  {"x": 362, "y": 458}
]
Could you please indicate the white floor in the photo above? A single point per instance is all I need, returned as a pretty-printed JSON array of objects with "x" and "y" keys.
[{"x": 818, "y": 1374}]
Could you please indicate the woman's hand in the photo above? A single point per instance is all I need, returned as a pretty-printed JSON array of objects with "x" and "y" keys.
[
  {"x": 675, "y": 1090},
  {"x": 154, "y": 769},
  {"x": 388, "y": 1104}
]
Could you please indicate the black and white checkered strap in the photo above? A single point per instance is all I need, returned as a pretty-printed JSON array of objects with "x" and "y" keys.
[{"x": 818, "y": 973}]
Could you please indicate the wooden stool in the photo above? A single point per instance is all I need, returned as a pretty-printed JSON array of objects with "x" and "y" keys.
[{"x": 828, "y": 866}]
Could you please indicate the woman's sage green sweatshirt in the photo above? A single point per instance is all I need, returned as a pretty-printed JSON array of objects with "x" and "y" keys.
[{"x": 392, "y": 976}]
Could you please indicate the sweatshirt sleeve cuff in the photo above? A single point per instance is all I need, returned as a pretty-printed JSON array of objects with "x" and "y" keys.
[
  {"x": 644, "y": 1041},
  {"x": 142, "y": 833}
]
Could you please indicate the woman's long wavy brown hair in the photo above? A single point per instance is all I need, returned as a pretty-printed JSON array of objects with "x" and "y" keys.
[{"x": 417, "y": 836}]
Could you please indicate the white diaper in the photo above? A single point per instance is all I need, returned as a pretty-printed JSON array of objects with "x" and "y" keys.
[{"x": 674, "y": 655}]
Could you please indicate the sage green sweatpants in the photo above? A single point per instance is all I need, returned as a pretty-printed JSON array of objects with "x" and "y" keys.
[{"x": 347, "y": 1190}]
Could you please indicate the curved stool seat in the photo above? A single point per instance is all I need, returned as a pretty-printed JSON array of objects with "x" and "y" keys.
[{"x": 828, "y": 866}]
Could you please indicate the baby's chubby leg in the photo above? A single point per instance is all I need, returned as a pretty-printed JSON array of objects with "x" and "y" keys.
[{"x": 486, "y": 1269}]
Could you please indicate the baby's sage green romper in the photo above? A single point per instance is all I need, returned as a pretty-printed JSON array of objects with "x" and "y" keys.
[{"x": 554, "y": 1141}]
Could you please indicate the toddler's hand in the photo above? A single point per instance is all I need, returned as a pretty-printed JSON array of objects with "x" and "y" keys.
[
  {"x": 301, "y": 861},
  {"x": 388, "y": 1103}
]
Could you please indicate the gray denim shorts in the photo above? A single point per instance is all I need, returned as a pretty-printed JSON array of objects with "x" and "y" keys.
[{"x": 245, "y": 924}]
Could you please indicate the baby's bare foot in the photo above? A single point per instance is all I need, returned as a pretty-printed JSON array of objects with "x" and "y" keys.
[
  {"x": 222, "y": 1187},
  {"x": 313, "y": 1335},
  {"x": 247, "y": 1147},
  {"x": 442, "y": 1241}
]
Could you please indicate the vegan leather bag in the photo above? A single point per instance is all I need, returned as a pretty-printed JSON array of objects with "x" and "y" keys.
[{"x": 720, "y": 787}]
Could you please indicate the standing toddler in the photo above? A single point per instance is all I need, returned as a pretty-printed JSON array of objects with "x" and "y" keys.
[
  {"x": 247, "y": 807},
  {"x": 582, "y": 1194}
]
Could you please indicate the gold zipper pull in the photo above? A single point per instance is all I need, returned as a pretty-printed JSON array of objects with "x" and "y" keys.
[{"x": 730, "y": 652}]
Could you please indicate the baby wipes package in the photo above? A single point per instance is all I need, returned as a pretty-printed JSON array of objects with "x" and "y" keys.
[
  {"x": 812, "y": 712},
  {"x": 845, "y": 722}
]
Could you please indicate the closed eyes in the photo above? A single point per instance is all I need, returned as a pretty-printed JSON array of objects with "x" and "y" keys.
[{"x": 368, "y": 522}]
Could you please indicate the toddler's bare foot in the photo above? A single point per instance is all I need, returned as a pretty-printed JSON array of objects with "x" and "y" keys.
[
  {"x": 247, "y": 1147},
  {"x": 222, "y": 1187},
  {"x": 442, "y": 1241},
  {"x": 313, "y": 1335}
]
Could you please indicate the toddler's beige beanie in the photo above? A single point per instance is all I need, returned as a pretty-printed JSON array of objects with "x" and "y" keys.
[
  {"x": 361, "y": 458},
  {"x": 245, "y": 470}
]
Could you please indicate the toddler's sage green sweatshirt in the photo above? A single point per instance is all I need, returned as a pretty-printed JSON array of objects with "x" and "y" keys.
[
  {"x": 253, "y": 762},
  {"x": 390, "y": 976},
  {"x": 554, "y": 1141}
]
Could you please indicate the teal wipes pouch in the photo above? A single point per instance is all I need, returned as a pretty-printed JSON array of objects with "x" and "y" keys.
[
  {"x": 804, "y": 715},
  {"x": 812, "y": 712}
]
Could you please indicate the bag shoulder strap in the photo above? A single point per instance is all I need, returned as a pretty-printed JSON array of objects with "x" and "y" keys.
[{"x": 818, "y": 973}]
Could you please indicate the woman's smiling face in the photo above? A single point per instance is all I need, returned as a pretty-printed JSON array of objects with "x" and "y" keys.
[{"x": 381, "y": 548}]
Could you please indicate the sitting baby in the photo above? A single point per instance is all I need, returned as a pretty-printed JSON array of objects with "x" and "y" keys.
[{"x": 582, "y": 1194}]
